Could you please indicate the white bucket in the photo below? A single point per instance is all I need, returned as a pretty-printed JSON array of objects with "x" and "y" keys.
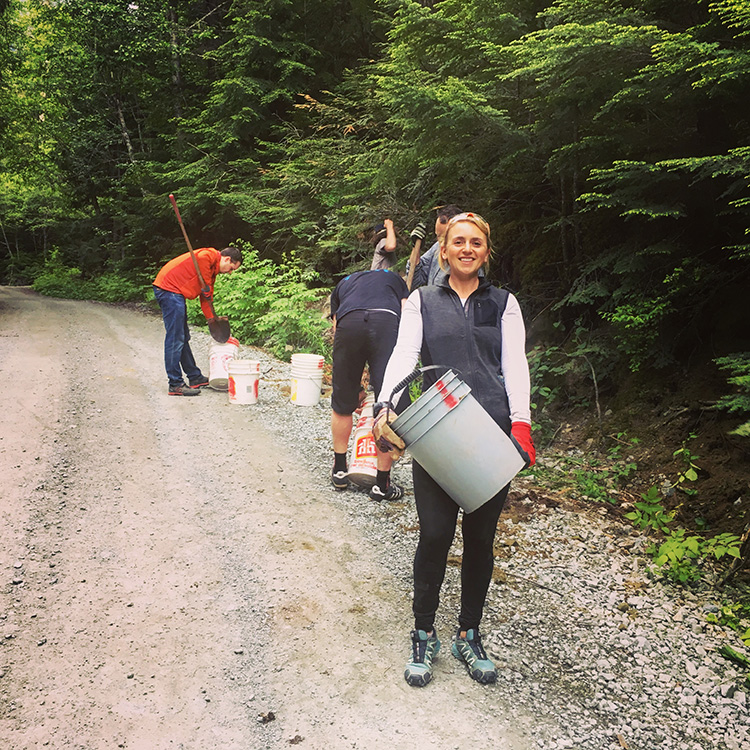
[
  {"x": 307, "y": 360},
  {"x": 363, "y": 464},
  {"x": 307, "y": 379},
  {"x": 458, "y": 443},
  {"x": 244, "y": 375},
  {"x": 219, "y": 356}
]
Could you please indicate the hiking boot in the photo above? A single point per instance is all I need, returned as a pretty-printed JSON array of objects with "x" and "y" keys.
[
  {"x": 394, "y": 492},
  {"x": 199, "y": 382},
  {"x": 339, "y": 479},
  {"x": 469, "y": 650},
  {"x": 183, "y": 390},
  {"x": 424, "y": 649}
]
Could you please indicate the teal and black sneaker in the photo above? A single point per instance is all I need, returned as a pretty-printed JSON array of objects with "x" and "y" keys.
[
  {"x": 469, "y": 650},
  {"x": 424, "y": 649}
]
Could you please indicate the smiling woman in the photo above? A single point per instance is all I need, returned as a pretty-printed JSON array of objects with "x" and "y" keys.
[
  {"x": 465, "y": 248},
  {"x": 466, "y": 324}
]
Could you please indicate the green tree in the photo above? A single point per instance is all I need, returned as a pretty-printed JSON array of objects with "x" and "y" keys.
[{"x": 676, "y": 194}]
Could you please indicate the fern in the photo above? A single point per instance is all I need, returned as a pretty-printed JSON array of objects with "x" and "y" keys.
[{"x": 737, "y": 403}]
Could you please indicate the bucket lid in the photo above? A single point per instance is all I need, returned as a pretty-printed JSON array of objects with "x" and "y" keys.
[
  {"x": 230, "y": 342},
  {"x": 300, "y": 358},
  {"x": 244, "y": 364},
  {"x": 436, "y": 410}
]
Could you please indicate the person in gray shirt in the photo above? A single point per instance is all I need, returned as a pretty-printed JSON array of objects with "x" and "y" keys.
[
  {"x": 385, "y": 246},
  {"x": 428, "y": 271}
]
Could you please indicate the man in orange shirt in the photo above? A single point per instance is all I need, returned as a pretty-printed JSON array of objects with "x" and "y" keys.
[{"x": 176, "y": 282}]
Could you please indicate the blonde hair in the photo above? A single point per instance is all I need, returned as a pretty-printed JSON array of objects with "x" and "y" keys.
[{"x": 474, "y": 219}]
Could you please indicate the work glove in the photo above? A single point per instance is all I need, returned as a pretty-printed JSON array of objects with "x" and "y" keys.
[
  {"x": 419, "y": 232},
  {"x": 385, "y": 438},
  {"x": 521, "y": 432}
]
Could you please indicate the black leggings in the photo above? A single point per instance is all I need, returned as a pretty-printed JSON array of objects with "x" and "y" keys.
[{"x": 438, "y": 514}]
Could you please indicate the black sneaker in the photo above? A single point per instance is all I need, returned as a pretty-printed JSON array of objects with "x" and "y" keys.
[
  {"x": 201, "y": 382},
  {"x": 183, "y": 390},
  {"x": 394, "y": 492},
  {"x": 339, "y": 479}
]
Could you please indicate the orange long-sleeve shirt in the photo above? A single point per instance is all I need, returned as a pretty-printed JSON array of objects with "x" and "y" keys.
[{"x": 179, "y": 276}]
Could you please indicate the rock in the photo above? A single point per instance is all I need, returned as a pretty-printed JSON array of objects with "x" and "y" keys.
[{"x": 727, "y": 690}]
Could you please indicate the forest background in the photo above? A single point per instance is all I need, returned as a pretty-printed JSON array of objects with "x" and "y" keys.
[{"x": 607, "y": 143}]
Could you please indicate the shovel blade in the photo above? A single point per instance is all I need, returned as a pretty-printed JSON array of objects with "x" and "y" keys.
[{"x": 219, "y": 329}]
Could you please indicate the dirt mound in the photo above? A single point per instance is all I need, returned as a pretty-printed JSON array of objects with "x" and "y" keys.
[{"x": 668, "y": 426}]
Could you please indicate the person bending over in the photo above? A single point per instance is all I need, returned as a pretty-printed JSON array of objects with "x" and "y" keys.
[
  {"x": 176, "y": 282},
  {"x": 366, "y": 309}
]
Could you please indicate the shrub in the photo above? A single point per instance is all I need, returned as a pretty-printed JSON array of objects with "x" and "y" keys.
[
  {"x": 738, "y": 366},
  {"x": 62, "y": 282},
  {"x": 55, "y": 279},
  {"x": 114, "y": 288},
  {"x": 272, "y": 306}
]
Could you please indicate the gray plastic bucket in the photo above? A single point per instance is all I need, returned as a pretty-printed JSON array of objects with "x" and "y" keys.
[
  {"x": 427, "y": 401},
  {"x": 458, "y": 443}
]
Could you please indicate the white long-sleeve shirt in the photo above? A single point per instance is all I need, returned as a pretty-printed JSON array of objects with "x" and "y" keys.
[{"x": 515, "y": 368}]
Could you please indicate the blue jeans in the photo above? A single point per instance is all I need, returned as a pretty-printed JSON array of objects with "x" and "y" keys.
[{"x": 177, "y": 353}]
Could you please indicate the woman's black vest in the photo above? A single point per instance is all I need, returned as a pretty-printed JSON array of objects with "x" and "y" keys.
[{"x": 468, "y": 340}]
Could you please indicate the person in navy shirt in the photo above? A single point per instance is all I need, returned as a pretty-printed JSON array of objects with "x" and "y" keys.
[{"x": 366, "y": 310}]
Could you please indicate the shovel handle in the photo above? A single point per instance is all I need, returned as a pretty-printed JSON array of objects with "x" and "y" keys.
[
  {"x": 204, "y": 287},
  {"x": 179, "y": 221},
  {"x": 413, "y": 260}
]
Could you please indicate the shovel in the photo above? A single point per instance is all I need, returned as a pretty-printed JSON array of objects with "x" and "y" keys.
[
  {"x": 413, "y": 261},
  {"x": 218, "y": 326}
]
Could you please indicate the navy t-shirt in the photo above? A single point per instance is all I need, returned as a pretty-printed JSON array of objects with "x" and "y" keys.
[{"x": 369, "y": 290}]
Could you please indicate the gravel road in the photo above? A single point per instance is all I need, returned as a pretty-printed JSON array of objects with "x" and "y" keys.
[{"x": 177, "y": 573}]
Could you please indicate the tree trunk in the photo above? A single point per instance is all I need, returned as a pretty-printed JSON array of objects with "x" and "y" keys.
[
  {"x": 564, "y": 247},
  {"x": 575, "y": 193},
  {"x": 176, "y": 71},
  {"x": 126, "y": 135},
  {"x": 124, "y": 131},
  {"x": 7, "y": 242}
]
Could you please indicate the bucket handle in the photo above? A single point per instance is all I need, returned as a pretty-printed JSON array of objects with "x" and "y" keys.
[
  {"x": 305, "y": 377},
  {"x": 411, "y": 377}
]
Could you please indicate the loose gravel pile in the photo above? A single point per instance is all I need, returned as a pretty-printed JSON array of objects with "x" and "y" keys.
[{"x": 581, "y": 635}]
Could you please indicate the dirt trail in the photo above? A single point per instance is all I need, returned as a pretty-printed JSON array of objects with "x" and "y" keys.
[{"x": 169, "y": 579}]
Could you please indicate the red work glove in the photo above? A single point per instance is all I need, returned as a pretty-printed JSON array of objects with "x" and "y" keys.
[{"x": 521, "y": 431}]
